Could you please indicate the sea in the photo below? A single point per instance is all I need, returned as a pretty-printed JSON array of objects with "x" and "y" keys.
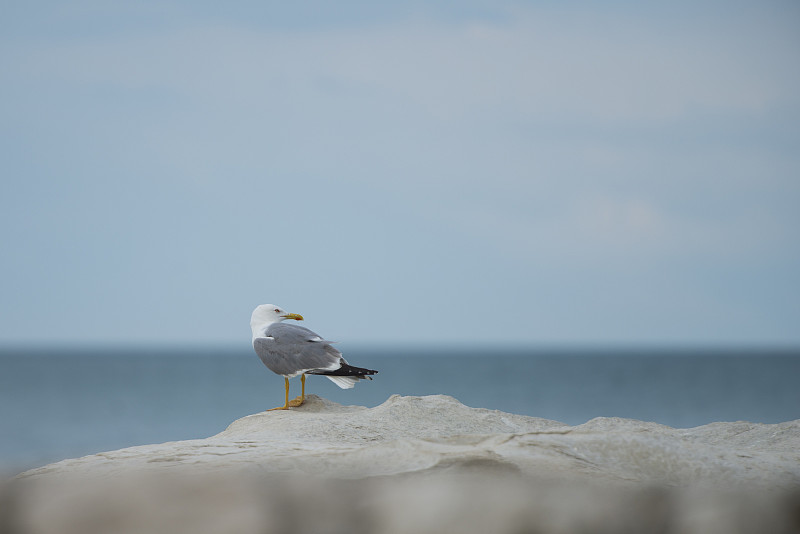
[{"x": 57, "y": 404}]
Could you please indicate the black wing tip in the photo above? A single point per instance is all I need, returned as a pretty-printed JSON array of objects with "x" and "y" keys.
[
  {"x": 348, "y": 370},
  {"x": 362, "y": 371}
]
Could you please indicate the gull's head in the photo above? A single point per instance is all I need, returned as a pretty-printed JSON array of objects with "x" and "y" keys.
[{"x": 266, "y": 314}]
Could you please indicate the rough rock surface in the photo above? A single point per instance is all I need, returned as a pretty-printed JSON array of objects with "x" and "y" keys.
[
  {"x": 413, "y": 434},
  {"x": 424, "y": 464}
]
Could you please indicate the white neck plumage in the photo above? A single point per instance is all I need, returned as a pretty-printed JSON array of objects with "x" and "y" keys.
[{"x": 260, "y": 329}]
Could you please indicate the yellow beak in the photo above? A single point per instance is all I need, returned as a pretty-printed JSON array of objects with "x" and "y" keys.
[{"x": 295, "y": 316}]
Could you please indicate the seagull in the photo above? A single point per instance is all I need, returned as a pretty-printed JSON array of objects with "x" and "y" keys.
[{"x": 290, "y": 350}]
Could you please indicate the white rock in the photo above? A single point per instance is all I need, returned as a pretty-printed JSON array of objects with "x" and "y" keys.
[
  {"x": 411, "y": 434},
  {"x": 427, "y": 464}
]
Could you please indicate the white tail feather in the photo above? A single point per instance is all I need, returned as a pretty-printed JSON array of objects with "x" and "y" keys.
[{"x": 344, "y": 382}]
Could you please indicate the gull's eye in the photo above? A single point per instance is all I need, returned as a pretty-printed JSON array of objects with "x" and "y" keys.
[{"x": 277, "y": 310}]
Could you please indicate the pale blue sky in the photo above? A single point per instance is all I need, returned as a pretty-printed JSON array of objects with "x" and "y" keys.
[{"x": 449, "y": 172}]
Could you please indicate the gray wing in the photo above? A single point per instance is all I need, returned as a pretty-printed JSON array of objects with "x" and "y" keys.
[{"x": 290, "y": 350}]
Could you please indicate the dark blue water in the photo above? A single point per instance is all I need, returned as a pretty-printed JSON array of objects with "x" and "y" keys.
[{"x": 55, "y": 406}]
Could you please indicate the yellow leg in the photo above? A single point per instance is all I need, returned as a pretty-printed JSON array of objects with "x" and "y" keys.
[
  {"x": 286, "y": 405},
  {"x": 302, "y": 398}
]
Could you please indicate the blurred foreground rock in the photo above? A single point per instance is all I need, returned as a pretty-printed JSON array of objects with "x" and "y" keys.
[{"x": 424, "y": 464}]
